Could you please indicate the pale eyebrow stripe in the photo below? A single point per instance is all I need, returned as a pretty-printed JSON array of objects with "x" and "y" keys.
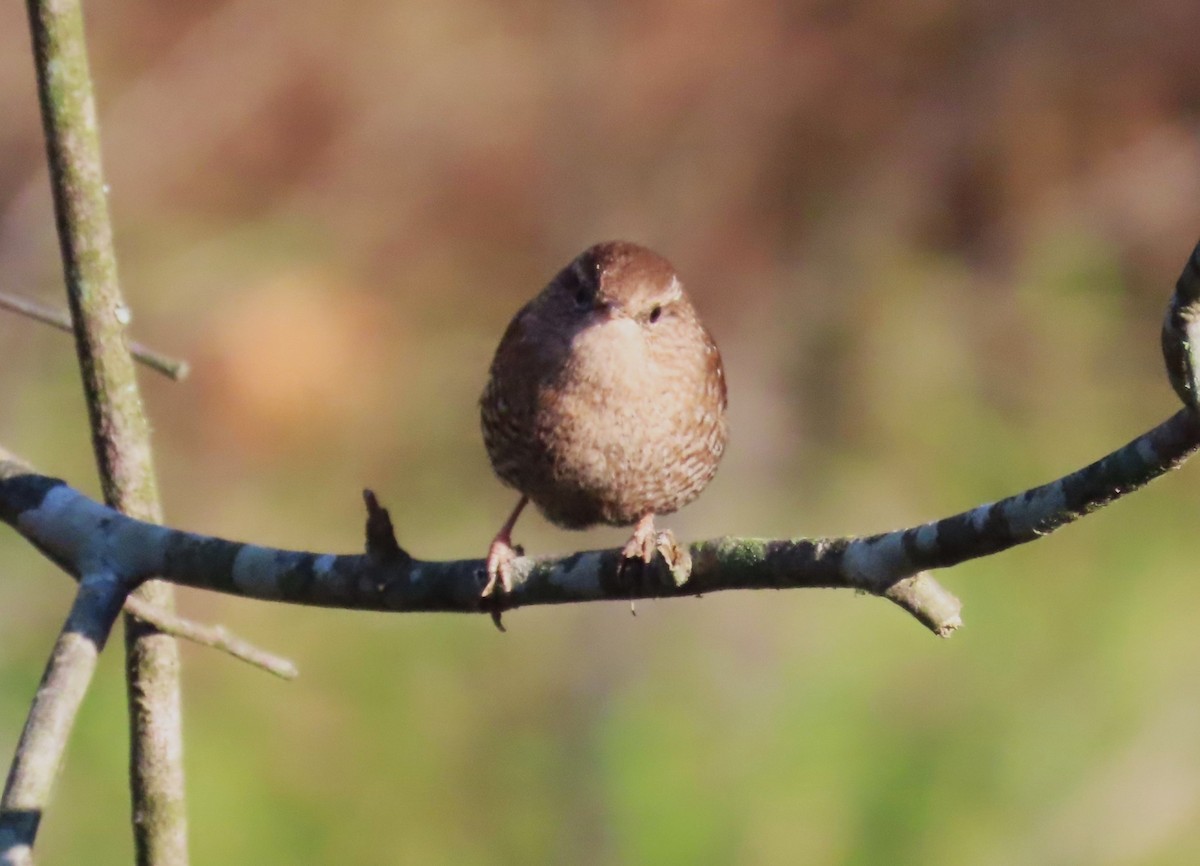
[{"x": 675, "y": 290}]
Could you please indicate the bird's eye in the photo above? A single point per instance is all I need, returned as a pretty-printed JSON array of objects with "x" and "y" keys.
[
  {"x": 655, "y": 312},
  {"x": 583, "y": 298}
]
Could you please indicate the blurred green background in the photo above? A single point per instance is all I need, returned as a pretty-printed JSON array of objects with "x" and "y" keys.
[{"x": 934, "y": 241}]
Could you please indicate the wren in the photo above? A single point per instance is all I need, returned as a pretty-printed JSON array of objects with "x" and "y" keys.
[{"x": 605, "y": 402}]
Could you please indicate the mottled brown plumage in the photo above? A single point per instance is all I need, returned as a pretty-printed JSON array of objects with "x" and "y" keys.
[{"x": 605, "y": 402}]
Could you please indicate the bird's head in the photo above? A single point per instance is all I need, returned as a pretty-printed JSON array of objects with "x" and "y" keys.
[{"x": 619, "y": 280}]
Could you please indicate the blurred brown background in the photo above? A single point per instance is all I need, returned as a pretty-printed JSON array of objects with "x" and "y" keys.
[{"x": 934, "y": 240}]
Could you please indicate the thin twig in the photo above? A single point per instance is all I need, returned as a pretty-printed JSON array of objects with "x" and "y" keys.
[
  {"x": 216, "y": 636},
  {"x": 172, "y": 368}
]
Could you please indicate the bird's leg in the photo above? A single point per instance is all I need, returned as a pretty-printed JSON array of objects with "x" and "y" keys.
[{"x": 500, "y": 555}]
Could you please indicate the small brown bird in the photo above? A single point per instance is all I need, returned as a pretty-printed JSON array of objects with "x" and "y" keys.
[{"x": 605, "y": 402}]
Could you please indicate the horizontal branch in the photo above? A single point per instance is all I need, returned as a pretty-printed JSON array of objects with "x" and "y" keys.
[
  {"x": 215, "y": 636},
  {"x": 75, "y": 532},
  {"x": 70, "y": 528}
]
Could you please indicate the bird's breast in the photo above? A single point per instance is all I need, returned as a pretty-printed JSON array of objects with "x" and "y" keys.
[{"x": 625, "y": 429}]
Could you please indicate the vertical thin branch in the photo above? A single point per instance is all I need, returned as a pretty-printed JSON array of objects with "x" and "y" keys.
[
  {"x": 120, "y": 432},
  {"x": 44, "y": 739}
]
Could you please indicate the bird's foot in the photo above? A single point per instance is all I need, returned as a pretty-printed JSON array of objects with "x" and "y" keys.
[
  {"x": 638, "y": 556},
  {"x": 501, "y": 555},
  {"x": 674, "y": 555},
  {"x": 500, "y": 558}
]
